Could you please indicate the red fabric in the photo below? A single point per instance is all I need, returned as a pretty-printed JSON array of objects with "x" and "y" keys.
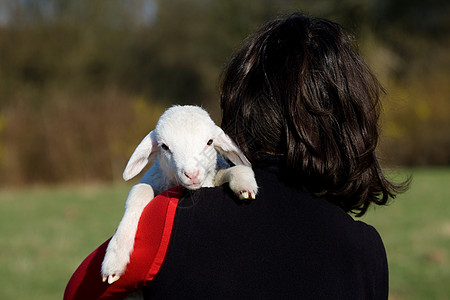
[{"x": 151, "y": 242}]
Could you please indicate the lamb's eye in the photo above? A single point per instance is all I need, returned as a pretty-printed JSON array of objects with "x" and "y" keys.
[
  {"x": 209, "y": 142},
  {"x": 165, "y": 147}
]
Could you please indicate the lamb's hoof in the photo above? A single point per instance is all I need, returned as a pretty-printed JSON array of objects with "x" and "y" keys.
[
  {"x": 111, "y": 268},
  {"x": 247, "y": 195},
  {"x": 111, "y": 278},
  {"x": 116, "y": 258}
]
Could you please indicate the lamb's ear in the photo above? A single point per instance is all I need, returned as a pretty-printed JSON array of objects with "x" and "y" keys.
[
  {"x": 225, "y": 145},
  {"x": 141, "y": 156}
]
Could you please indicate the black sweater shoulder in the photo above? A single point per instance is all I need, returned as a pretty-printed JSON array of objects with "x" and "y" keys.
[{"x": 284, "y": 244}]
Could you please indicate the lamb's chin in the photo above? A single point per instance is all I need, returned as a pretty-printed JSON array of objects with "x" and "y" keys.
[{"x": 192, "y": 186}]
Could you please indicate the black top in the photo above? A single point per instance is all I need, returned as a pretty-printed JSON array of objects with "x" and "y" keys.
[{"x": 283, "y": 245}]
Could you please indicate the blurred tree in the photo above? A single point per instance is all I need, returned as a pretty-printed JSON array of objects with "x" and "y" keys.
[{"x": 76, "y": 75}]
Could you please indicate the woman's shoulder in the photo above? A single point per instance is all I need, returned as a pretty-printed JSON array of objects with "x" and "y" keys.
[
  {"x": 283, "y": 206},
  {"x": 342, "y": 225},
  {"x": 370, "y": 235},
  {"x": 305, "y": 241}
]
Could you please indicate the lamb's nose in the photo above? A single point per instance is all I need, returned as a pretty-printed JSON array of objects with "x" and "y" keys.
[{"x": 191, "y": 175}]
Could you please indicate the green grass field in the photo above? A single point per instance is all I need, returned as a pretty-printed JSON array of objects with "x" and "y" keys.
[
  {"x": 415, "y": 228},
  {"x": 46, "y": 232}
]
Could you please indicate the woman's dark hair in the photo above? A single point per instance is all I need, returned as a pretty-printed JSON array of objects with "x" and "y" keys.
[{"x": 299, "y": 89}]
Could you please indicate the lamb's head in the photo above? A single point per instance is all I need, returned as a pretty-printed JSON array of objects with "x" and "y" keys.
[
  {"x": 185, "y": 136},
  {"x": 186, "y": 142}
]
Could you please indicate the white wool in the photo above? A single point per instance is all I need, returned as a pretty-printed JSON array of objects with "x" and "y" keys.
[{"x": 186, "y": 145}]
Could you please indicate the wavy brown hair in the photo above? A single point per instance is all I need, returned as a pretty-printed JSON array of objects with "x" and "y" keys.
[{"x": 298, "y": 88}]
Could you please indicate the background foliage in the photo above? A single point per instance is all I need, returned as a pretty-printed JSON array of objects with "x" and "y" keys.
[{"x": 82, "y": 81}]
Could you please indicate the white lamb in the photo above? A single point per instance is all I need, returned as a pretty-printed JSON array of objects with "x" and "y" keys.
[{"x": 185, "y": 143}]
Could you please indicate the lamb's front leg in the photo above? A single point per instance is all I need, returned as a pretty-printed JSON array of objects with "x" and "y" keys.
[
  {"x": 241, "y": 179},
  {"x": 121, "y": 245}
]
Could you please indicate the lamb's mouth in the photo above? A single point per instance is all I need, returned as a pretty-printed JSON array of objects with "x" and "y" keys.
[{"x": 193, "y": 185}]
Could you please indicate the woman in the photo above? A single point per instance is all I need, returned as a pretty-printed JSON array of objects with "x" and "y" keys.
[{"x": 303, "y": 106}]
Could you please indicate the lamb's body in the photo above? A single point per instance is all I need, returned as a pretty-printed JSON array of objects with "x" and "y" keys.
[{"x": 186, "y": 142}]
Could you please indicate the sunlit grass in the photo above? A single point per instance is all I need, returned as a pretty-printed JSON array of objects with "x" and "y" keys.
[
  {"x": 416, "y": 231},
  {"x": 46, "y": 232}
]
